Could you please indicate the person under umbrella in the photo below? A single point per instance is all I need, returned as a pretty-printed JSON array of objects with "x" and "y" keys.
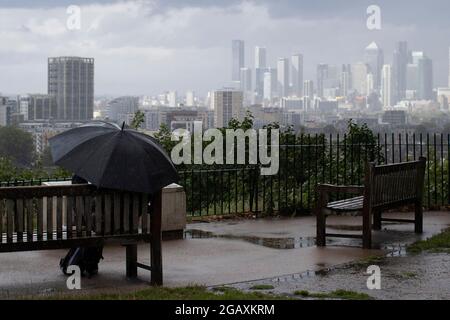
[{"x": 113, "y": 157}]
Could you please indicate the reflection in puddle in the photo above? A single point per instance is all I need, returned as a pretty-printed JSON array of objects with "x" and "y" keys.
[
  {"x": 274, "y": 243},
  {"x": 392, "y": 249}
]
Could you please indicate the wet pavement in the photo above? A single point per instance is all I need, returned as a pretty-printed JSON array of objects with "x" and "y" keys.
[{"x": 280, "y": 251}]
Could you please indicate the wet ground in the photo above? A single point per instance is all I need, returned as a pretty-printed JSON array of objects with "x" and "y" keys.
[{"x": 281, "y": 252}]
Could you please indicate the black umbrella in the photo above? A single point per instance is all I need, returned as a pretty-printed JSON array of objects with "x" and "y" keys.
[{"x": 113, "y": 157}]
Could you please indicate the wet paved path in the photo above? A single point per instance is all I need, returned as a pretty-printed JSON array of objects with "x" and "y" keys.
[{"x": 215, "y": 254}]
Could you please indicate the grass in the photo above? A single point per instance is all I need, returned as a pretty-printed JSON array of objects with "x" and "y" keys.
[
  {"x": 183, "y": 293},
  {"x": 372, "y": 260},
  {"x": 437, "y": 243},
  {"x": 262, "y": 287},
  {"x": 337, "y": 294}
]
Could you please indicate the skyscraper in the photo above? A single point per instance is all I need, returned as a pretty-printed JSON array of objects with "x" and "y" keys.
[
  {"x": 260, "y": 57},
  {"x": 283, "y": 77},
  {"x": 71, "y": 82},
  {"x": 238, "y": 59},
  {"x": 400, "y": 64},
  {"x": 246, "y": 84},
  {"x": 260, "y": 69},
  {"x": 227, "y": 104},
  {"x": 322, "y": 74},
  {"x": 359, "y": 77},
  {"x": 270, "y": 83},
  {"x": 374, "y": 58},
  {"x": 387, "y": 87},
  {"x": 449, "y": 67},
  {"x": 297, "y": 75},
  {"x": 345, "y": 80},
  {"x": 425, "y": 79}
]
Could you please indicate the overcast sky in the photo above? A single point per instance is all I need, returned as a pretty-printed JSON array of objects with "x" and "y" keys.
[{"x": 146, "y": 47}]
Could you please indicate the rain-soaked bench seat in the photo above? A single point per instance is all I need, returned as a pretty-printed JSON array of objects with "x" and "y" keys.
[
  {"x": 386, "y": 187},
  {"x": 59, "y": 217}
]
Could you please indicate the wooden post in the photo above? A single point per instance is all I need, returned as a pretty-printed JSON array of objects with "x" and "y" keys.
[
  {"x": 367, "y": 206},
  {"x": 156, "y": 235},
  {"x": 418, "y": 217},
  {"x": 377, "y": 220},
  {"x": 321, "y": 219},
  {"x": 131, "y": 260},
  {"x": 418, "y": 214}
]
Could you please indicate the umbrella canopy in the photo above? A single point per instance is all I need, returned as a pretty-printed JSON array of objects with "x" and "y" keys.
[{"x": 114, "y": 157}]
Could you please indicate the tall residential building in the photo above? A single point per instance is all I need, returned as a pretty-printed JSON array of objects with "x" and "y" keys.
[
  {"x": 370, "y": 83},
  {"x": 246, "y": 84},
  {"x": 270, "y": 84},
  {"x": 283, "y": 77},
  {"x": 322, "y": 74},
  {"x": 190, "y": 98},
  {"x": 400, "y": 65},
  {"x": 37, "y": 107},
  {"x": 260, "y": 57},
  {"x": 345, "y": 80},
  {"x": 227, "y": 104},
  {"x": 297, "y": 75},
  {"x": 119, "y": 109},
  {"x": 238, "y": 59},
  {"x": 359, "y": 77},
  {"x": 71, "y": 82},
  {"x": 374, "y": 58},
  {"x": 308, "y": 89},
  {"x": 172, "y": 99},
  {"x": 425, "y": 79},
  {"x": 387, "y": 87}
]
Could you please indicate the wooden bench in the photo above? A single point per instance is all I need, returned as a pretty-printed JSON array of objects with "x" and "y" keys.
[
  {"x": 59, "y": 217},
  {"x": 386, "y": 187}
]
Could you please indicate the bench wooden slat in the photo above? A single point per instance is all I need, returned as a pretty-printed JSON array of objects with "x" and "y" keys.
[
  {"x": 126, "y": 213},
  {"x": 69, "y": 216},
  {"x": 59, "y": 217},
  {"x": 19, "y": 218},
  {"x": 144, "y": 213},
  {"x": 98, "y": 214},
  {"x": 10, "y": 219},
  {"x": 79, "y": 213},
  {"x": 30, "y": 213},
  {"x": 108, "y": 213},
  {"x": 49, "y": 217},
  {"x": 88, "y": 214},
  {"x": 135, "y": 215},
  {"x": 40, "y": 218},
  {"x": 2, "y": 219},
  {"x": 117, "y": 211},
  {"x": 352, "y": 204}
]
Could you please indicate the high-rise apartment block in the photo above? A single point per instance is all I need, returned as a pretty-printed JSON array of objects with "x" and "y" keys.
[
  {"x": 227, "y": 104},
  {"x": 71, "y": 82}
]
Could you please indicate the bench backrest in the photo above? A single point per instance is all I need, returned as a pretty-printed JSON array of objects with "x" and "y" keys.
[
  {"x": 38, "y": 213},
  {"x": 395, "y": 184}
]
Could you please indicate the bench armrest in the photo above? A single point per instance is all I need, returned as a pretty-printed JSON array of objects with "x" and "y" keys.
[{"x": 329, "y": 188}]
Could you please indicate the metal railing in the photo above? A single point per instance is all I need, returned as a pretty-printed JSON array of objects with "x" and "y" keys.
[{"x": 305, "y": 161}]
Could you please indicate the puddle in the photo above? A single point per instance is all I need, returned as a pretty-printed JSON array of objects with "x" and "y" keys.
[
  {"x": 274, "y": 243},
  {"x": 392, "y": 249}
]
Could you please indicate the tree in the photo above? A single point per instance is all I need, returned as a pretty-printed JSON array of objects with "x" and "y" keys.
[
  {"x": 138, "y": 120},
  {"x": 16, "y": 145}
]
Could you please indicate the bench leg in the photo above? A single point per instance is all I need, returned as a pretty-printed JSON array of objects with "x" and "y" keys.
[
  {"x": 320, "y": 228},
  {"x": 156, "y": 239},
  {"x": 377, "y": 220},
  {"x": 131, "y": 261},
  {"x": 418, "y": 218},
  {"x": 367, "y": 228}
]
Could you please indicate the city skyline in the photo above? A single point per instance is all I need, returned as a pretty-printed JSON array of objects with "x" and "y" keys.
[{"x": 183, "y": 55}]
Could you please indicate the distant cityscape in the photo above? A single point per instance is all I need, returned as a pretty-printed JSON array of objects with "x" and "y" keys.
[{"x": 399, "y": 96}]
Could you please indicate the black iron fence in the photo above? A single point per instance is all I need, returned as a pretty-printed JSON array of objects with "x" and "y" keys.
[{"x": 305, "y": 161}]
